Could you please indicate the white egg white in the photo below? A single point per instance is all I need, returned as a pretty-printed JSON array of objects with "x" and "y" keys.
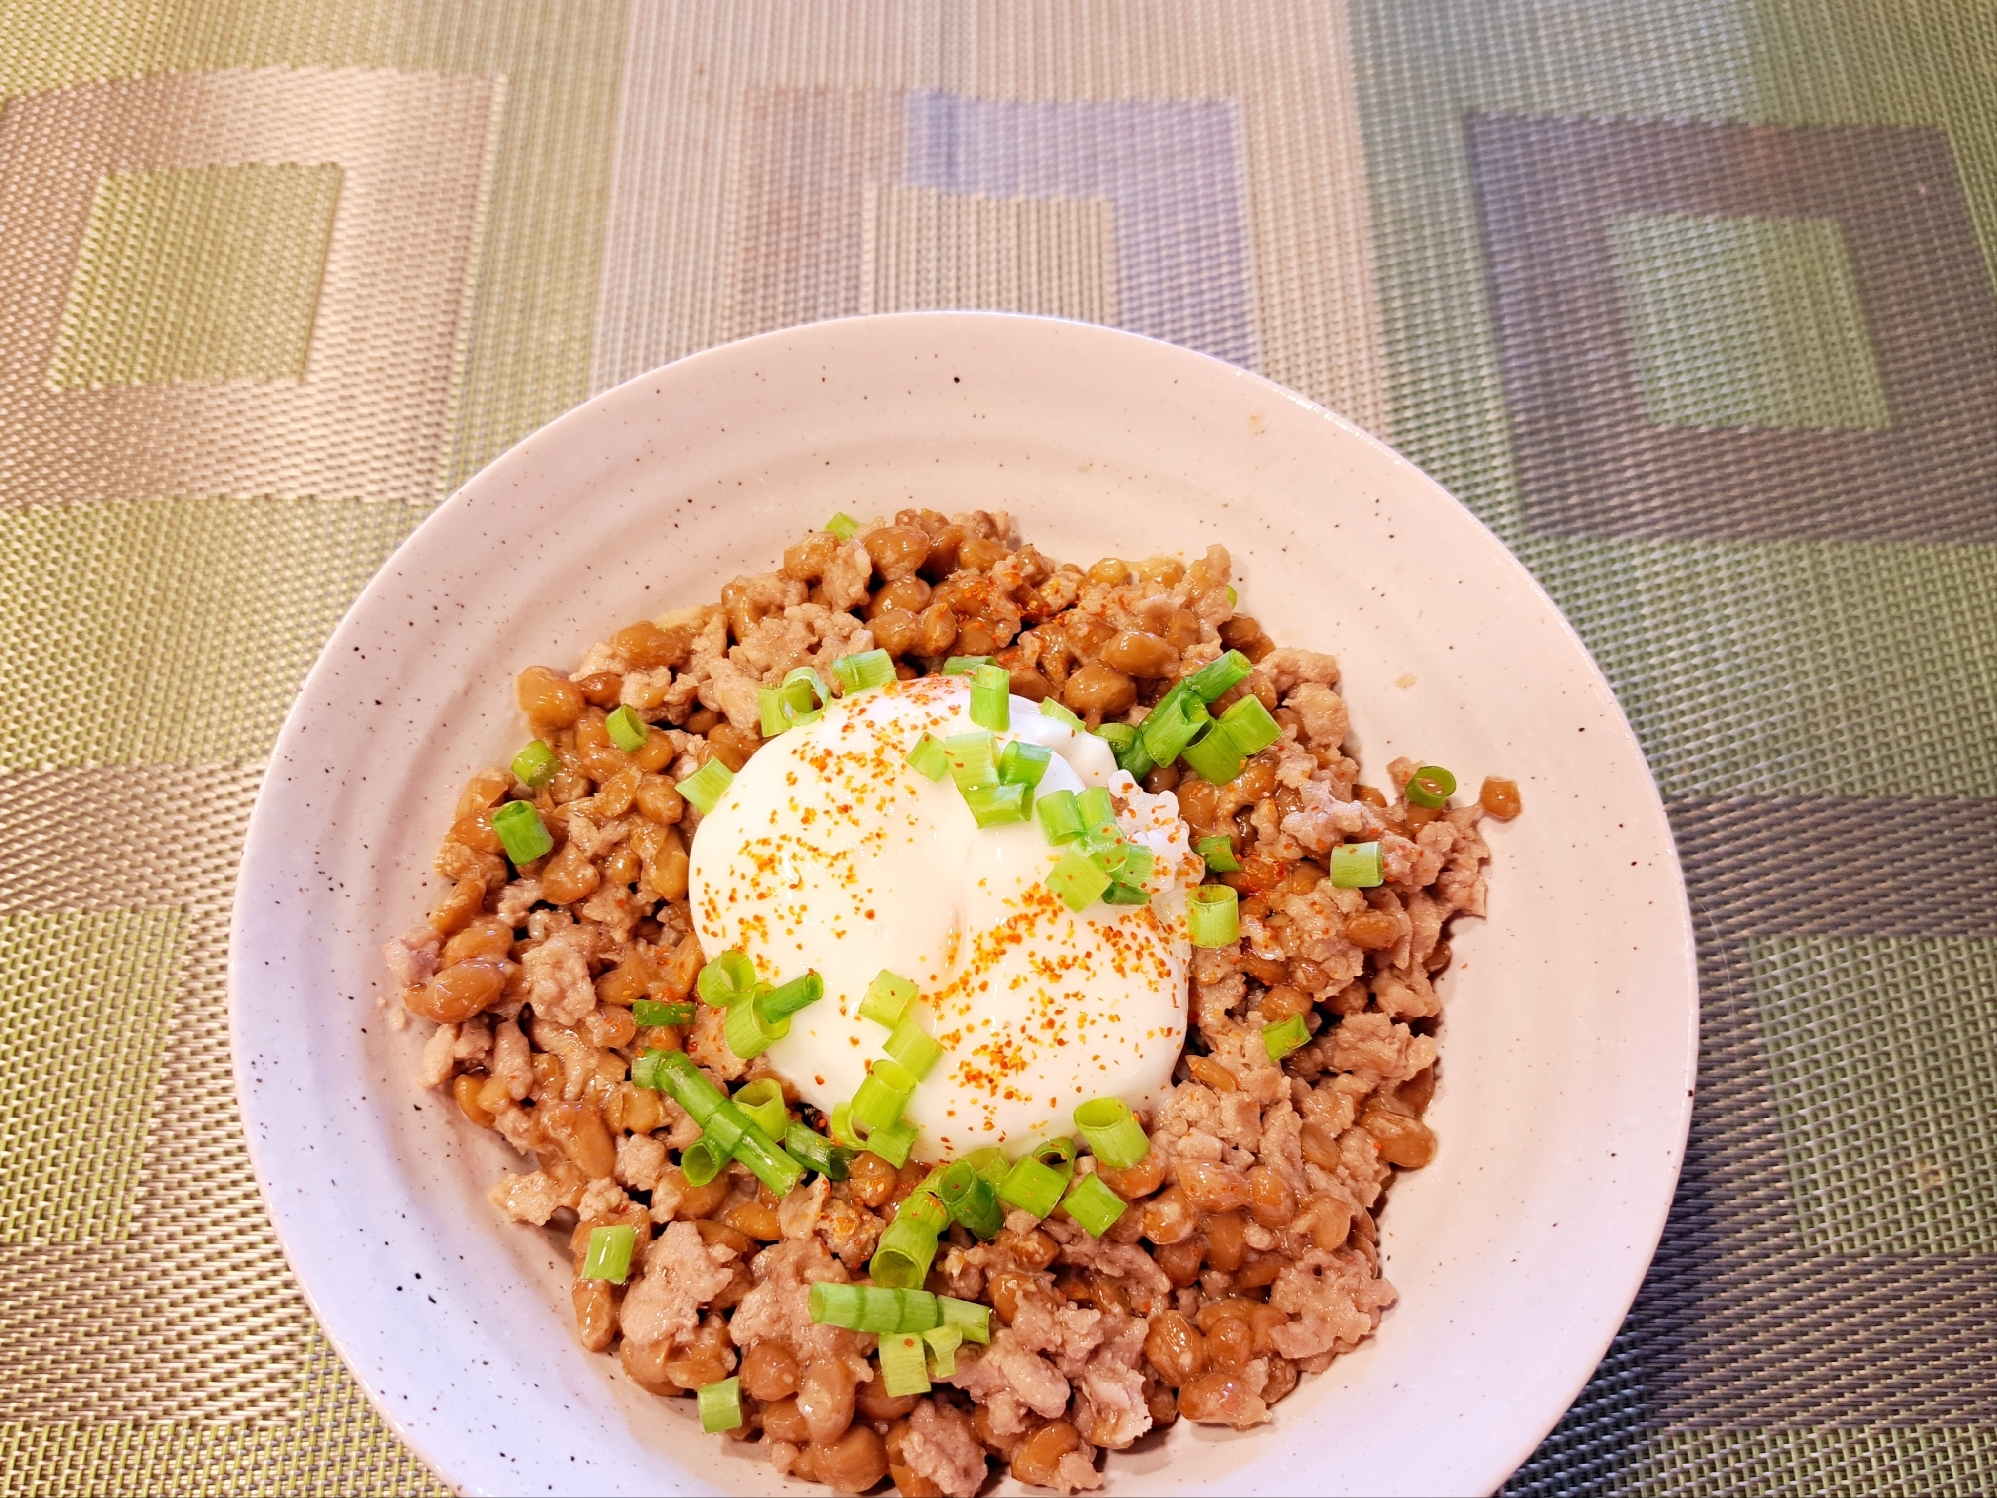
[{"x": 831, "y": 853}]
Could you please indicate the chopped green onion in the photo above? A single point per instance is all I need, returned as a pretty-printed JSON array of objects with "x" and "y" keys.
[
  {"x": 1097, "y": 808},
  {"x": 1285, "y": 1036},
  {"x": 1024, "y": 764},
  {"x": 1115, "y": 1136},
  {"x": 815, "y": 1152},
  {"x": 802, "y": 697},
  {"x": 972, "y": 761},
  {"x": 964, "y": 665},
  {"x": 844, "y": 526},
  {"x": 1213, "y": 915},
  {"x": 1119, "y": 736},
  {"x": 750, "y": 1030},
  {"x": 1232, "y": 597},
  {"x": 887, "y": 997},
  {"x": 858, "y": 673},
  {"x": 997, "y": 805},
  {"x": 1125, "y": 863},
  {"x": 767, "y": 1161},
  {"x": 656, "y": 1012},
  {"x": 991, "y": 698},
  {"x": 720, "y": 1405},
  {"x": 894, "y": 1143},
  {"x": 763, "y": 1101},
  {"x": 1127, "y": 744},
  {"x": 609, "y": 1254},
  {"x": 1431, "y": 786},
  {"x": 840, "y": 1123},
  {"x": 1356, "y": 866},
  {"x": 626, "y": 729},
  {"x": 645, "y": 1071},
  {"x": 770, "y": 709},
  {"x": 689, "y": 1086},
  {"x": 521, "y": 831},
  {"x": 1032, "y": 1187},
  {"x": 727, "y": 979},
  {"x": 929, "y": 757},
  {"x": 1172, "y": 725},
  {"x": 912, "y": 1046},
  {"x": 1057, "y": 1154},
  {"x": 799, "y": 993},
  {"x": 705, "y": 786},
  {"x": 989, "y": 1162},
  {"x": 1215, "y": 677},
  {"x": 1052, "y": 707},
  {"x": 1215, "y": 756},
  {"x": 1248, "y": 723},
  {"x": 904, "y": 1365},
  {"x": 1120, "y": 893},
  {"x": 1218, "y": 851},
  {"x": 703, "y": 1160},
  {"x": 535, "y": 765},
  {"x": 874, "y": 1308},
  {"x": 971, "y": 1198},
  {"x": 1078, "y": 880},
  {"x": 942, "y": 1343},
  {"x": 1093, "y": 1205},
  {"x": 901, "y": 1261},
  {"x": 970, "y": 1317},
  {"x": 726, "y": 1126},
  {"x": 882, "y": 1096},
  {"x": 1060, "y": 817}
]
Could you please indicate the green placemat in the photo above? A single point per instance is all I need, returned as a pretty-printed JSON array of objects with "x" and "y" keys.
[{"x": 1691, "y": 301}]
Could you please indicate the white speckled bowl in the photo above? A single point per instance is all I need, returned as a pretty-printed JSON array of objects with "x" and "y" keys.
[{"x": 1569, "y": 1049}]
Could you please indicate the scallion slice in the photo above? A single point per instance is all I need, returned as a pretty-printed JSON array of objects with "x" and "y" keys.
[
  {"x": 689, "y": 1085},
  {"x": 1126, "y": 863},
  {"x": 991, "y": 698},
  {"x": 929, "y": 757},
  {"x": 1093, "y": 1205},
  {"x": 800, "y": 993},
  {"x": 1114, "y": 1135},
  {"x": 763, "y": 1101},
  {"x": 1021, "y": 763},
  {"x": 907, "y": 1248},
  {"x": 750, "y": 1030},
  {"x": 970, "y": 1317},
  {"x": 881, "y": 1097},
  {"x": 815, "y": 1152},
  {"x": 1215, "y": 677},
  {"x": 1032, "y": 1187},
  {"x": 645, "y": 1071},
  {"x": 1213, "y": 915},
  {"x": 1060, "y": 817},
  {"x": 1120, "y": 893},
  {"x": 887, "y": 997},
  {"x": 859, "y": 673},
  {"x": 840, "y": 1123},
  {"x": 1127, "y": 744},
  {"x": 1214, "y": 756},
  {"x": 626, "y": 729},
  {"x": 1119, "y": 736},
  {"x": 1078, "y": 880},
  {"x": 942, "y": 1343},
  {"x": 1218, "y": 851},
  {"x": 1052, "y": 707},
  {"x": 1097, "y": 808},
  {"x": 964, "y": 665},
  {"x": 535, "y": 765},
  {"x": 706, "y": 786},
  {"x": 1285, "y": 1036},
  {"x": 904, "y": 1365},
  {"x": 1057, "y": 1154},
  {"x": 658, "y": 1012},
  {"x": 844, "y": 526},
  {"x": 521, "y": 832},
  {"x": 1248, "y": 723},
  {"x": 767, "y": 1161},
  {"x": 972, "y": 759},
  {"x": 894, "y": 1143},
  {"x": 608, "y": 1256},
  {"x": 727, "y": 980},
  {"x": 997, "y": 805},
  {"x": 1431, "y": 786},
  {"x": 1356, "y": 866},
  {"x": 803, "y": 697},
  {"x": 911, "y": 1045},
  {"x": 971, "y": 1198},
  {"x": 720, "y": 1405},
  {"x": 703, "y": 1160},
  {"x": 872, "y": 1308},
  {"x": 1172, "y": 725},
  {"x": 770, "y": 711},
  {"x": 989, "y": 1162}
]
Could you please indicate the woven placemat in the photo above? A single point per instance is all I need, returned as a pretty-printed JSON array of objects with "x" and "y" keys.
[{"x": 1691, "y": 301}]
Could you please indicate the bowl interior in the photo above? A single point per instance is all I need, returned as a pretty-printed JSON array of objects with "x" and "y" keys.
[{"x": 1571, "y": 1013}]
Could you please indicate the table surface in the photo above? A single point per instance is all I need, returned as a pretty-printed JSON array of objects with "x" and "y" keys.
[{"x": 1690, "y": 300}]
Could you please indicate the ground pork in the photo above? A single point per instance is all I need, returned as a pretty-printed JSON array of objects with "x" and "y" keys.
[
  {"x": 941, "y": 1448},
  {"x": 557, "y": 977},
  {"x": 682, "y": 1274}
]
